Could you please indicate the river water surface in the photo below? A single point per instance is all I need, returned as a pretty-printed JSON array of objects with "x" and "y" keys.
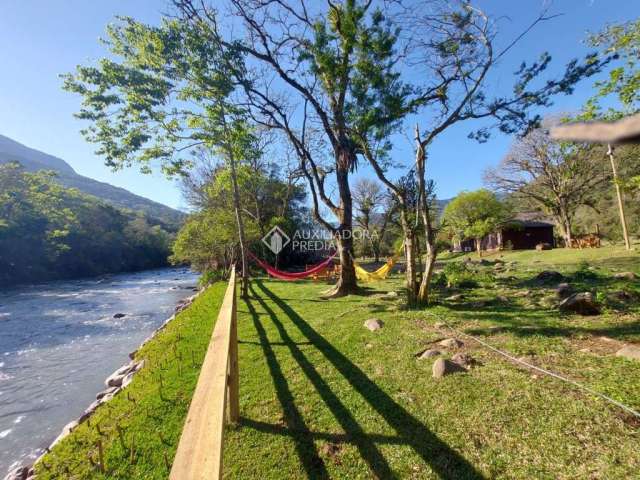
[{"x": 60, "y": 340}]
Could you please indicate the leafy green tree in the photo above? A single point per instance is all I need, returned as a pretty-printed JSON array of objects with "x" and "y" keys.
[
  {"x": 622, "y": 82},
  {"x": 454, "y": 48},
  {"x": 621, "y": 89},
  {"x": 323, "y": 77},
  {"x": 167, "y": 90},
  {"x": 475, "y": 215}
]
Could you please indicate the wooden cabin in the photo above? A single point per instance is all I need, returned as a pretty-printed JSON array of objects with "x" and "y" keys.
[{"x": 522, "y": 233}]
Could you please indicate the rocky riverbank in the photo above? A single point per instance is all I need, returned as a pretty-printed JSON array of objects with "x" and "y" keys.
[{"x": 114, "y": 384}]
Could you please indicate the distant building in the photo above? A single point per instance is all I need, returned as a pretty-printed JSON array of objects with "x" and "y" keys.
[{"x": 524, "y": 232}]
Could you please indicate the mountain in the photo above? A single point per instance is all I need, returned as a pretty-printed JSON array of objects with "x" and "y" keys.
[{"x": 34, "y": 160}]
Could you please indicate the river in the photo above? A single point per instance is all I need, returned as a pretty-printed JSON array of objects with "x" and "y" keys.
[{"x": 60, "y": 340}]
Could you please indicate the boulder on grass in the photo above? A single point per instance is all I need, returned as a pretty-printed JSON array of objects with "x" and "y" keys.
[
  {"x": 463, "y": 359},
  {"x": 373, "y": 324},
  {"x": 620, "y": 296},
  {"x": 625, "y": 276},
  {"x": 451, "y": 343},
  {"x": 543, "y": 246},
  {"x": 564, "y": 290},
  {"x": 583, "y": 303},
  {"x": 630, "y": 352},
  {"x": 429, "y": 353},
  {"x": 455, "y": 298},
  {"x": 549, "y": 276},
  {"x": 443, "y": 367}
]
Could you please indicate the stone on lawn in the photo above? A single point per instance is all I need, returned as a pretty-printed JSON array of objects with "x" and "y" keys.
[
  {"x": 523, "y": 293},
  {"x": 442, "y": 367},
  {"x": 543, "y": 246},
  {"x": 625, "y": 276},
  {"x": 451, "y": 343},
  {"x": 583, "y": 303},
  {"x": 463, "y": 359},
  {"x": 455, "y": 298},
  {"x": 549, "y": 276},
  {"x": 564, "y": 290},
  {"x": 373, "y": 324},
  {"x": 391, "y": 294},
  {"x": 620, "y": 296},
  {"x": 630, "y": 352},
  {"x": 429, "y": 353}
]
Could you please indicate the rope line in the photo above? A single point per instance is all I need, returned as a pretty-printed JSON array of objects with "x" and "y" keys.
[{"x": 546, "y": 372}]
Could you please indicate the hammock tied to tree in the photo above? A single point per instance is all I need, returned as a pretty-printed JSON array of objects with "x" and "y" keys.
[
  {"x": 380, "y": 274},
  {"x": 291, "y": 276}
]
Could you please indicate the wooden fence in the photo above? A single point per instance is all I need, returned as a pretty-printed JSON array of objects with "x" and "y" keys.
[{"x": 214, "y": 402}]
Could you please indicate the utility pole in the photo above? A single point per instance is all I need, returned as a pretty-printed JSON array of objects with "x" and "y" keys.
[{"x": 616, "y": 183}]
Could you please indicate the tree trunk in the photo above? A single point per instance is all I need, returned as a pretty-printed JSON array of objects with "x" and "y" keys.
[
  {"x": 236, "y": 206},
  {"x": 347, "y": 283},
  {"x": 564, "y": 224},
  {"x": 425, "y": 215},
  {"x": 425, "y": 284},
  {"x": 410, "y": 259},
  {"x": 623, "y": 220},
  {"x": 479, "y": 246}
]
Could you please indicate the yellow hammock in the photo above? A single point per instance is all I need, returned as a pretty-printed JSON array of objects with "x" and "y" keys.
[{"x": 379, "y": 274}]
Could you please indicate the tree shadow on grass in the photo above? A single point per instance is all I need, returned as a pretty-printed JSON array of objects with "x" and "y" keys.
[
  {"x": 445, "y": 461},
  {"x": 527, "y": 323},
  {"x": 366, "y": 447},
  {"x": 306, "y": 449}
]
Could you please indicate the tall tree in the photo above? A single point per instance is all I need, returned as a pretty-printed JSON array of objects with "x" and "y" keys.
[
  {"x": 321, "y": 71},
  {"x": 453, "y": 48},
  {"x": 475, "y": 215},
  {"x": 367, "y": 199},
  {"x": 167, "y": 90},
  {"x": 555, "y": 178}
]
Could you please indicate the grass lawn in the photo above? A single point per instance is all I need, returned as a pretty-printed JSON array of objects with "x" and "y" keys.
[{"x": 323, "y": 397}]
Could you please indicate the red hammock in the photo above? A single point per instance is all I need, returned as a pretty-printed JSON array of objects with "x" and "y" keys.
[{"x": 290, "y": 276}]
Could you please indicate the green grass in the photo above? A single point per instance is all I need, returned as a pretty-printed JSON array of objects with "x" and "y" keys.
[
  {"x": 150, "y": 417},
  {"x": 322, "y": 397}
]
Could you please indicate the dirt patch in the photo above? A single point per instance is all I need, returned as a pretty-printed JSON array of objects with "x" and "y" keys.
[
  {"x": 629, "y": 419},
  {"x": 332, "y": 451},
  {"x": 596, "y": 345}
]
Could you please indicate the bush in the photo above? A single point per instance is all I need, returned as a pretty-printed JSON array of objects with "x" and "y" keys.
[
  {"x": 459, "y": 275},
  {"x": 210, "y": 276},
  {"x": 584, "y": 273}
]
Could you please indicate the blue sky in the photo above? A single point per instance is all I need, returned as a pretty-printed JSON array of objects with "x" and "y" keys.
[{"x": 41, "y": 39}]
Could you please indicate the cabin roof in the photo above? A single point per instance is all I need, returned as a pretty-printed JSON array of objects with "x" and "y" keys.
[{"x": 531, "y": 220}]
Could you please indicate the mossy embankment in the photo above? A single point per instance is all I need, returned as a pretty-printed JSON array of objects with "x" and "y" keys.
[{"x": 138, "y": 430}]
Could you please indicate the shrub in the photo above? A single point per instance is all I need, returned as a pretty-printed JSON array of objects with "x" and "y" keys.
[{"x": 459, "y": 275}]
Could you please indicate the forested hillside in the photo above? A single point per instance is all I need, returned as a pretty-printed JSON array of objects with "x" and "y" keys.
[
  {"x": 51, "y": 232},
  {"x": 33, "y": 160}
]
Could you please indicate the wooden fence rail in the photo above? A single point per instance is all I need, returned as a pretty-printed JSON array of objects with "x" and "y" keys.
[{"x": 215, "y": 401}]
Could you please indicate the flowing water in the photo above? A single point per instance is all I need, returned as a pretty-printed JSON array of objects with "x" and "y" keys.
[{"x": 60, "y": 340}]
